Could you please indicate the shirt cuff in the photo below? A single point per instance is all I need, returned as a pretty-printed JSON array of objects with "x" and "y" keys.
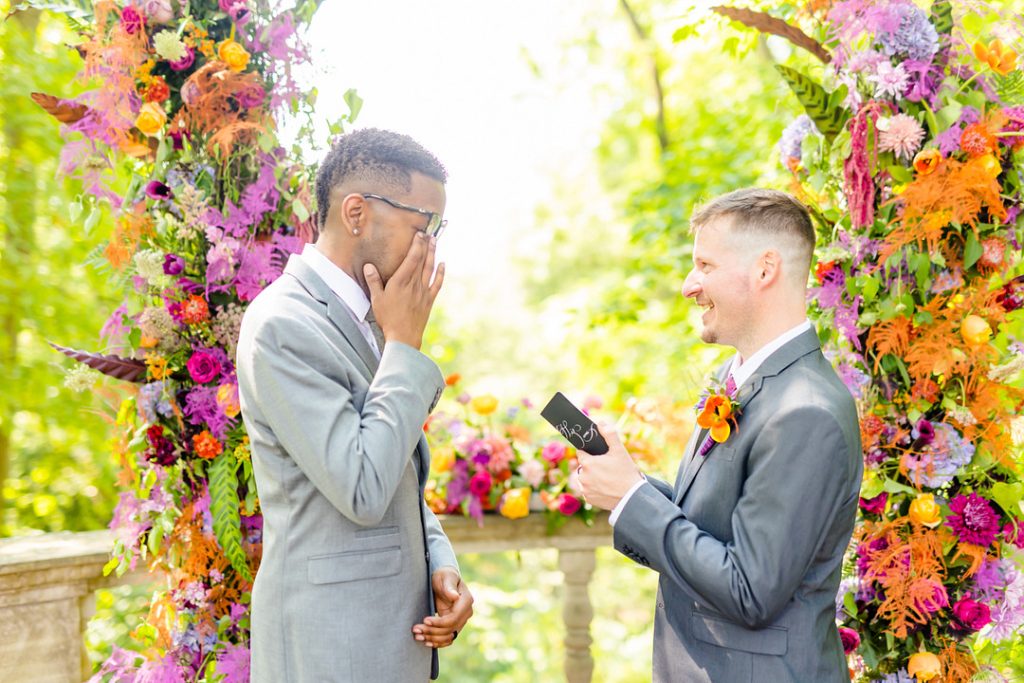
[{"x": 625, "y": 499}]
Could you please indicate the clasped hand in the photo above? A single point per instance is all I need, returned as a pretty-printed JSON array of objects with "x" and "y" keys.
[{"x": 454, "y": 605}]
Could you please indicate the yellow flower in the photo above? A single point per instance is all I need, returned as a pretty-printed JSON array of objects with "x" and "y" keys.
[
  {"x": 157, "y": 366},
  {"x": 484, "y": 405},
  {"x": 151, "y": 118},
  {"x": 442, "y": 459},
  {"x": 515, "y": 503},
  {"x": 924, "y": 666},
  {"x": 925, "y": 511},
  {"x": 233, "y": 54},
  {"x": 927, "y": 160},
  {"x": 975, "y": 330},
  {"x": 227, "y": 399},
  {"x": 242, "y": 452}
]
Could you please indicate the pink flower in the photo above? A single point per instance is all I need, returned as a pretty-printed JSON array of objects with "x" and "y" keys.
[
  {"x": 592, "y": 402},
  {"x": 480, "y": 484},
  {"x": 971, "y": 614},
  {"x": 938, "y": 600},
  {"x": 568, "y": 504},
  {"x": 252, "y": 96},
  {"x": 532, "y": 471},
  {"x": 131, "y": 20},
  {"x": 973, "y": 519},
  {"x": 850, "y": 639},
  {"x": 1014, "y": 535},
  {"x": 203, "y": 367},
  {"x": 889, "y": 80},
  {"x": 901, "y": 134},
  {"x": 158, "y": 11},
  {"x": 501, "y": 454},
  {"x": 553, "y": 452}
]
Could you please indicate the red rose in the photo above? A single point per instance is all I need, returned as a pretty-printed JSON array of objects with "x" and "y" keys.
[
  {"x": 568, "y": 504},
  {"x": 971, "y": 614}
]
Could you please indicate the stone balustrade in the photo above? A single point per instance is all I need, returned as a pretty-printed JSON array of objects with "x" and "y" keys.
[{"x": 48, "y": 582}]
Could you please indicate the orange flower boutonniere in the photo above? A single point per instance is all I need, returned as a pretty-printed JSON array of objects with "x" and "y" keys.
[{"x": 717, "y": 412}]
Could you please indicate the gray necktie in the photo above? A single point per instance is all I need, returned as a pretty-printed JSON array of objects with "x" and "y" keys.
[{"x": 378, "y": 334}]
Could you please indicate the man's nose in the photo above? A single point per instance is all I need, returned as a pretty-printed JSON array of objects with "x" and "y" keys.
[{"x": 691, "y": 285}]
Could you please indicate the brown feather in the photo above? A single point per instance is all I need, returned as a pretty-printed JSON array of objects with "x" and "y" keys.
[
  {"x": 765, "y": 23},
  {"x": 65, "y": 113}
]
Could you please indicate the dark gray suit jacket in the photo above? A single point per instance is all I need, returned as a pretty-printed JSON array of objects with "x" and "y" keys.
[
  {"x": 750, "y": 541},
  {"x": 340, "y": 462}
]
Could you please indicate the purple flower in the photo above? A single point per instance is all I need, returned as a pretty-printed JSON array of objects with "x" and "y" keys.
[
  {"x": 114, "y": 329},
  {"x": 157, "y": 190},
  {"x": 131, "y": 20},
  {"x": 876, "y": 505},
  {"x": 480, "y": 483},
  {"x": 235, "y": 9},
  {"x": 936, "y": 464},
  {"x": 252, "y": 96},
  {"x": 971, "y": 615},
  {"x": 185, "y": 62},
  {"x": 924, "y": 432},
  {"x": 939, "y": 598},
  {"x": 949, "y": 139},
  {"x": 925, "y": 79},
  {"x": 791, "y": 143},
  {"x": 914, "y": 36},
  {"x": 889, "y": 80},
  {"x": 849, "y": 638},
  {"x": 973, "y": 519},
  {"x": 203, "y": 366},
  {"x": 161, "y": 450},
  {"x": 173, "y": 264}
]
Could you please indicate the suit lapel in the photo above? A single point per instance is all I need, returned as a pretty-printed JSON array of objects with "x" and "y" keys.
[
  {"x": 337, "y": 313},
  {"x": 785, "y": 356}
]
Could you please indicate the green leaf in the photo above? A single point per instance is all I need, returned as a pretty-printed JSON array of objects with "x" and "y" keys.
[
  {"x": 949, "y": 114},
  {"x": 82, "y": 9},
  {"x": 354, "y": 102},
  {"x": 872, "y": 487},
  {"x": 1008, "y": 496},
  {"x": 227, "y": 522},
  {"x": 942, "y": 17},
  {"x": 972, "y": 250},
  {"x": 75, "y": 210},
  {"x": 869, "y": 287},
  {"x": 850, "y": 603},
  {"x": 91, "y": 220},
  {"x": 893, "y": 486},
  {"x": 815, "y": 100}
]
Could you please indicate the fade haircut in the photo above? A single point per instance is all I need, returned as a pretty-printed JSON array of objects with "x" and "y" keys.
[
  {"x": 384, "y": 160},
  {"x": 771, "y": 216}
]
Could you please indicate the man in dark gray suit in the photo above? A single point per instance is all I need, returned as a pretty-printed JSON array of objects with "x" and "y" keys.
[
  {"x": 749, "y": 542},
  {"x": 358, "y": 581}
]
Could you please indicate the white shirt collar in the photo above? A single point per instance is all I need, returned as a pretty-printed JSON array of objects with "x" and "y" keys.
[
  {"x": 742, "y": 371},
  {"x": 340, "y": 282}
]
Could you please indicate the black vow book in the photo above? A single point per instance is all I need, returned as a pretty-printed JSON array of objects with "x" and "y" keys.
[{"x": 577, "y": 428}]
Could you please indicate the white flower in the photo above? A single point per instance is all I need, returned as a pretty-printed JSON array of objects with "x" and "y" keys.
[
  {"x": 169, "y": 46},
  {"x": 1017, "y": 430},
  {"x": 80, "y": 378},
  {"x": 889, "y": 80},
  {"x": 150, "y": 264},
  {"x": 532, "y": 471}
]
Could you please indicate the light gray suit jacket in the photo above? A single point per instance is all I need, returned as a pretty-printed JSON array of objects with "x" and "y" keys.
[
  {"x": 340, "y": 462},
  {"x": 750, "y": 541}
]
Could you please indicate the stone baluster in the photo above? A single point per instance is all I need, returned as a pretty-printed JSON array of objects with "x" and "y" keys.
[{"x": 577, "y": 567}]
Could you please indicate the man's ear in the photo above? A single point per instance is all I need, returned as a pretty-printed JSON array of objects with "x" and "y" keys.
[
  {"x": 768, "y": 268},
  {"x": 353, "y": 212}
]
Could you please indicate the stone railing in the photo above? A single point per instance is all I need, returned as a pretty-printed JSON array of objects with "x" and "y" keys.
[{"x": 47, "y": 587}]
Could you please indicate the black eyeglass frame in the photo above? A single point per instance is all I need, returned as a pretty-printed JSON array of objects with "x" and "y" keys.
[{"x": 435, "y": 223}]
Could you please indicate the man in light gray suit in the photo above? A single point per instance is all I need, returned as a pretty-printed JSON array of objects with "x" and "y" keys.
[
  {"x": 358, "y": 581},
  {"x": 749, "y": 542}
]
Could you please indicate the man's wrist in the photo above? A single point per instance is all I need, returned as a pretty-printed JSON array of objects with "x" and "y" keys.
[{"x": 620, "y": 506}]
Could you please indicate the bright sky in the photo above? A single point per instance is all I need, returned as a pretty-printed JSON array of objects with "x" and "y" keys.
[{"x": 456, "y": 75}]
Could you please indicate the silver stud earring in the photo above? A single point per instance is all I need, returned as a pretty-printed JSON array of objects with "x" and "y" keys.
[{"x": 355, "y": 231}]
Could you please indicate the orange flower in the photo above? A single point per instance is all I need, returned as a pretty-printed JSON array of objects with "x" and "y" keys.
[
  {"x": 975, "y": 330},
  {"x": 977, "y": 140},
  {"x": 822, "y": 269},
  {"x": 206, "y": 445},
  {"x": 452, "y": 379},
  {"x": 233, "y": 54},
  {"x": 158, "y": 90},
  {"x": 924, "y": 666},
  {"x": 927, "y": 160},
  {"x": 194, "y": 310},
  {"x": 925, "y": 511},
  {"x": 442, "y": 459},
  {"x": 715, "y": 416},
  {"x": 157, "y": 366},
  {"x": 998, "y": 56},
  {"x": 151, "y": 118}
]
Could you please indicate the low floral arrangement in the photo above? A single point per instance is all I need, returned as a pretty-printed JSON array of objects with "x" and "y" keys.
[
  {"x": 488, "y": 459},
  {"x": 910, "y": 156}
]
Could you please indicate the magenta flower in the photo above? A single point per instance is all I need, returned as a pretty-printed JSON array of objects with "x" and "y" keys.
[
  {"x": 1014, "y": 534},
  {"x": 173, "y": 264},
  {"x": 850, "y": 639},
  {"x": 185, "y": 62},
  {"x": 939, "y": 598},
  {"x": 876, "y": 505},
  {"x": 971, "y": 615},
  {"x": 131, "y": 20},
  {"x": 480, "y": 484},
  {"x": 159, "y": 191},
  {"x": 973, "y": 519},
  {"x": 252, "y": 96},
  {"x": 203, "y": 366},
  {"x": 568, "y": 504},
  {"x": 161, "y": 450}
]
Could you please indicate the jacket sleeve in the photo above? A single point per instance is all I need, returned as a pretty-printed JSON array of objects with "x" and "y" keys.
[
  {"x": 355, "y": 459},
  {"x": 799, "y": 478}
]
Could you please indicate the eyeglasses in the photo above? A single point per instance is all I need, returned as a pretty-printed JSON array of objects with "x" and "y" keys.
[{"x": 435, "y": 224}]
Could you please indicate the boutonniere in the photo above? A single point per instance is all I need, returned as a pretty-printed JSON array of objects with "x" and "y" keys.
[{"x": 717, "y": 412}]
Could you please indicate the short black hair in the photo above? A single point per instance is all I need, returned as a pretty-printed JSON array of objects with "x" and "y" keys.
[{"x": 382, "y": 157}]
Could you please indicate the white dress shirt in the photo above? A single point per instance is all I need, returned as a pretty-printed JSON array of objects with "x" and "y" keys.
[
  {"x": 740, "y": 372},
  {"x": 345, "y": 288}
]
